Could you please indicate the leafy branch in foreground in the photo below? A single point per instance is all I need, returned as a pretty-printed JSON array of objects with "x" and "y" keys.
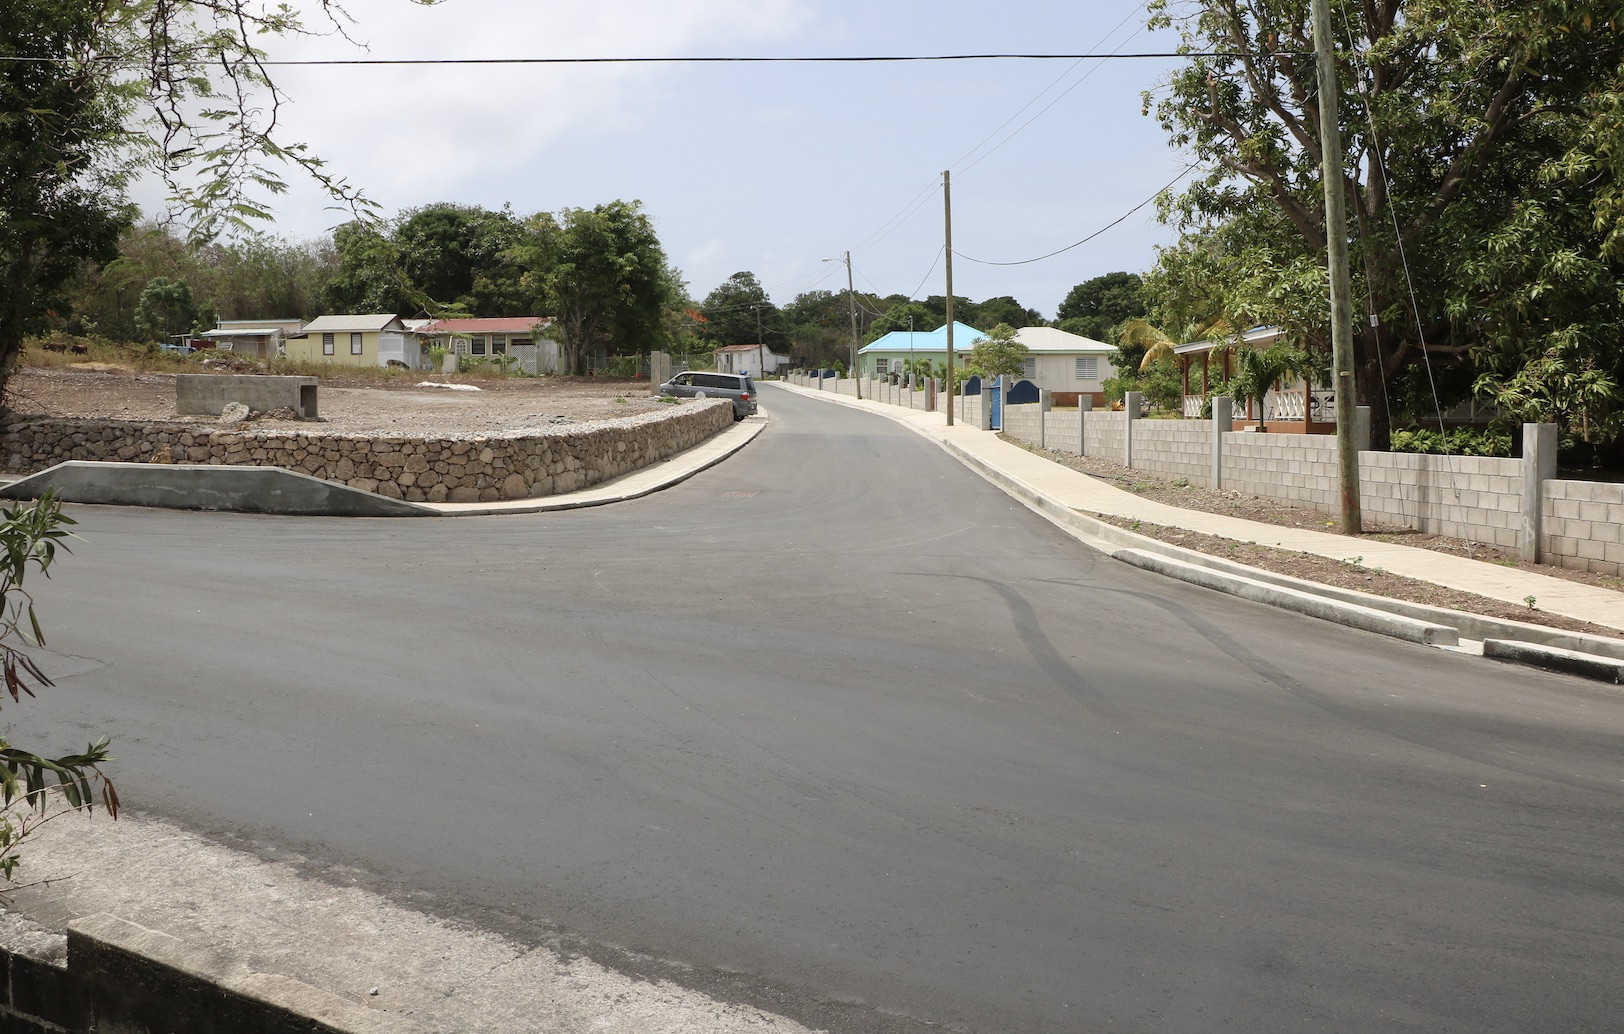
[{"x": 35, "y": 789}]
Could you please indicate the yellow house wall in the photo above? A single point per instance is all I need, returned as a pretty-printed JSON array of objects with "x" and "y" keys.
[{"x": 308, "y": 349}]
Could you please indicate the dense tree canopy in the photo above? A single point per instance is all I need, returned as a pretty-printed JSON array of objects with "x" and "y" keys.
[
  {"x": 818, "y": 326},
  {"x": 1003, "y": 309},
  {"x": 739, "y": 312},
  {"x": 1476, "y": 173},
  {"x": 61, "y": 198},
  {"x": 603, "y": 275},
  {"x": 442, "y": 259},
  {"x": 1099, "y": 307},
  {"x": 911, "y": 315}
]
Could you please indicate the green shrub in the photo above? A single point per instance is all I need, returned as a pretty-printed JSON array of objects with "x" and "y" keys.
[{"x": 1462, "y": 441}]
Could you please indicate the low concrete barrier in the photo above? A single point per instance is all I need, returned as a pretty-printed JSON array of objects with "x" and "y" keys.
[
  {"x": 124, "y": 977},
  {"x": 205, "y": 394},
  {"x": 235, "y": 489}
]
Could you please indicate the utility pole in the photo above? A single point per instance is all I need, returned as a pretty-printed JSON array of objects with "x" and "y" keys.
[
  {"x": 1336, "y": 257},
  {"x": 947, "y": 205},
  {"x": 851, "y": 299}
]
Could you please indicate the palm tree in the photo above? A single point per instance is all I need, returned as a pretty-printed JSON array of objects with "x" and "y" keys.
[
  {"x": 1257, "y": 373},
  {"x": 1159, "y": 347}
]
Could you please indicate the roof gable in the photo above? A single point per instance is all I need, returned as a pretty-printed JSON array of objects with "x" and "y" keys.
[
  {"x": 488, "y": 325},
  {"x": 363, "y": 322}
]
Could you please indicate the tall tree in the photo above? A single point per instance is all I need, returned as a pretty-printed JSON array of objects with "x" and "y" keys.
[
  {"x": 1452, "y": 115},
  {"x": 61, "y": 199},
  {"x": 901, "y": 317},
  {"x": 165, "y": 309},
  {"x": 76, "y": 123},
  {"x": 818, "y": 325},
  {"x": 603, "y": 275},
  {"x": 739, "y": 312},
  {"x": 1097, "y": 308},
  {"x": 1004, "y": 309}
]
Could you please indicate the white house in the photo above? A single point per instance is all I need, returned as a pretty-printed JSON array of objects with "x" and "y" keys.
[
  {"x": 1066, "y": 365},
  {"x": 754, "y": 360},
  {"x": 517, "y": 336}
]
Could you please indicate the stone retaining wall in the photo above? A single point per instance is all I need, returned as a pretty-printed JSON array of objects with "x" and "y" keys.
[{"x": 518, "y": 464}]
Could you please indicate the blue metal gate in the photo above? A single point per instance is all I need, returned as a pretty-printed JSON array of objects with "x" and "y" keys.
[{"x": 995, "y": 403}]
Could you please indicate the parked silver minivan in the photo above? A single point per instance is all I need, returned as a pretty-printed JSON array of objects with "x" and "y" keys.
[{"x": 698, "y": 384}]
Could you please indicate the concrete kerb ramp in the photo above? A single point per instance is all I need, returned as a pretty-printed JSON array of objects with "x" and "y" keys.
[{"x": 270, "y": 490}]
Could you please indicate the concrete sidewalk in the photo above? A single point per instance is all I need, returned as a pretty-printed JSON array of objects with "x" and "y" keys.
[{"x": 1060, "y": 487}]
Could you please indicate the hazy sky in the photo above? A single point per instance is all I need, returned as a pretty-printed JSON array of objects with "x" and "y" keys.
[{"x": 769, "y": 168}]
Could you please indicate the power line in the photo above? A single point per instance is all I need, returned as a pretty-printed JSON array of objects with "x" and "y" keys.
[
  {"x": 1025, "y": 262},
  {"x": 1058, "y": 80},
  {"x": 681, "y": 60}
]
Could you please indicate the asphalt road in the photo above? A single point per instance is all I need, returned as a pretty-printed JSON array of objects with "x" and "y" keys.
[{"x": 839, "y": 729}]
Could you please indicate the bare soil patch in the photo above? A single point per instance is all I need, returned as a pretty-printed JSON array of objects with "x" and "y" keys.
[
  {"x": 1324, "y": 570},
  {"x": 106, "y": 390}
]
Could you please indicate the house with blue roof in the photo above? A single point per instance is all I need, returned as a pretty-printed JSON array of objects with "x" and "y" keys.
[{"x": 887, "y": 354}]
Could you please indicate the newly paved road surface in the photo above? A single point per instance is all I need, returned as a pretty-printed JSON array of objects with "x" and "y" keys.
[{"x": 837, "y": 728}]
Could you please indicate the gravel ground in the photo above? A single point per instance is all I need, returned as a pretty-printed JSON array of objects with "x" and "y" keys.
[
  {"x": 1324, "y": 570},
  {"x": 100, "y": 390}
]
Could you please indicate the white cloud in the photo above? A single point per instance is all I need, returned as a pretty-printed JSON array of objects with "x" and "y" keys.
[{"x": 413, "y": 133}]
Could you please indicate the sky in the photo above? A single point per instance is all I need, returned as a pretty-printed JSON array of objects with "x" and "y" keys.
[{"x": 770, "y": 168}]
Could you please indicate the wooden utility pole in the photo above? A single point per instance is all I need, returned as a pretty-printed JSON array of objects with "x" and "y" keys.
[
  {"x": 1336, "y": 257},
  {"x": 851, "y": 300},
  {"x": 947, "y": 203}
]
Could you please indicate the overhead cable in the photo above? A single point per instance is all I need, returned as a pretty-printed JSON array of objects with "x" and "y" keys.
[{"x": 1025, "y": 262}]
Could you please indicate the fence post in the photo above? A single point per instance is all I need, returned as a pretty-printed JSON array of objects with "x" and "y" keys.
[
  {"x": 1223, "y": 419},
  {"x": 1085, "y": 406},
  {"x": 1130, "y": 409},
  {"x": 1361, "y": 428},
  {"x": 1538, "y": 466},
  {"x": 1045, "y": 401}
]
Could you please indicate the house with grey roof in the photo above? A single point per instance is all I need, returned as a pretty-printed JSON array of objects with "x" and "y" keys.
[{"x": 371, "y": 339}]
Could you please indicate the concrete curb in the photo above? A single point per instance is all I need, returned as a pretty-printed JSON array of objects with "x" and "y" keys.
[
  {"x": 653, "y": 478},
  {"x": 1349, "y": 614},
  {"x": 1601, "y": 669}
]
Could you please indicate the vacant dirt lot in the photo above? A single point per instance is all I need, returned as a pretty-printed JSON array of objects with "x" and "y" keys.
[{"x": 100, "y": 390}]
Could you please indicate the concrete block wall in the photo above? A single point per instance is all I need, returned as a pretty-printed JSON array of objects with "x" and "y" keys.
[
  {"x": 1060, "y": 429},
  {"x": 1295, "y": 468},
  {"x": 470, "y": 468},
  {"x": 1022, "y": 422},
  {"x": 1583, "y": 525},
  {"x": 1175, "y": 448},
  {"x": 969, "y": 412},
  {"x": 1107, "y": 434},
  {"x": 1472, "y": 497}
]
